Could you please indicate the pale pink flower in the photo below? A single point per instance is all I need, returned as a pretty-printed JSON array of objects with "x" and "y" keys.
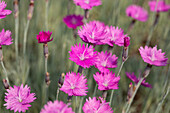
[
  {"x": 3, "y": 12},
  {"x": 56, "y": 107},
  {"x": 105, "y": 61},
  {"x": 83, "y": 55},
  {"x": 44, "y": 37},
  {"x": 87, "y": 4},
  {"x": 73, "y": 21},
  {"x": 159, "y": 6},
  {"x": 5, "y": 38},
  {"x": 19, "y": 98},
  {"x": 137, "y": 13},
  {"x": 74, "y": 84},
  {"x": 153, "y": 56},
  {"x": 106, "y": 81},
  {"x": 96, "y": 106}
]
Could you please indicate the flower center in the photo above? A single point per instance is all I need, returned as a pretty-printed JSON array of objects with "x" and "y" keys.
[
  {"x": 20, "y": 100},
  {"x": 87, "y": 1},
  {"x": 73, "y": 21},
  {"x": 82, "y": 57},
  {"x": 104, "y": 64},
  {"x": 105, "y": 84},
  {"x": 153, "y": 57},
  {"x": 72, "y": 87},
  {"x": 92, "y": 35}
]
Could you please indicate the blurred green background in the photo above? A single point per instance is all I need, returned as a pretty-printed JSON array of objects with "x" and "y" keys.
[{"x": 111, "y": 12}]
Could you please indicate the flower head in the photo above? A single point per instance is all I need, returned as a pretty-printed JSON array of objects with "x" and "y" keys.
[
  {"x": 159, "y": 6},
  {"x": 87, "y": 4},
  {"x": 106, "y": 81},
  {"x": 44, "y": 37},
  {"x": 3, "y": 12},
  {"x": 133, "y": 77},
  {"x": 126, "y": 41},
  {"x": 137, "y": 13},
  {"x": 93, "y": 32},
  {"x": 5, "y": 37},
  {"x": 19, "y": 98},
  {"x": 74, "y": 84},
  {"x": 73, "y": 21},
  {"x": 105, "y": 61},
  {"x": 96, "y": 106},
  {"x": 56, "y": 107},
  {"x": 153, "y": 56},
  {"x": 83, "y": 55}
]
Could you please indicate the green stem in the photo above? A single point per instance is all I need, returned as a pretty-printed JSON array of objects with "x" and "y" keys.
[
  {"x": 25, "y": 37},
  {"x": 81, "y": 102},
  {"x": 16, "y": 36},
  {"x": 4, "y": 69},
  {"x": 46, "y": 14},
  {"x": 58, "y": 91},
  {"x": 95, "y": 89}
]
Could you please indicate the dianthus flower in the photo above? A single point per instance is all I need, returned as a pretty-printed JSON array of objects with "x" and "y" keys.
[
  {"x": 159, "y": 6},
  {"x": 153, "y": 56},
  {"x": 106, "y": 81},
  {"x": 83, "y": 55},
  {"x": 133, "y": 77},
  {"x": 74, "y": 84},
  {"x": 56, "y": 107},
  {"x": 44, "y": 37},
  {"x": 3, "y": 12},
  {"x": 19, "y": 98},
  {"x": 87, "y": 4},
  {"x": 73, "y": 21},
  {"x": 137, "y": 13},
  {"x": 105, "y": 61},
  {"x": 96, "y": 106},
  {"x": 5, "y": 38}
]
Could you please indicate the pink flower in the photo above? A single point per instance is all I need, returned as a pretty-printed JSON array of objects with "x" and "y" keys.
[
  {"x": 105, "y": 61},
  {"x": 106, "y": 81},
  {"x": 93, "y": 32},
  {"x": 19, "y": 98},
  {"x": 56, "y": 107},
  {"x": 44, "y": 37},
  {"x": 115, "y": 36},
  {"x": 74, "y": 84},
  {"x": 137, "y": 13},
  {"x": 87, "y": 4},
  {"x": 153, "y": 56},
  {"x": 3, "y": 12},
  {"x": 133, "y": 77},
  {"x": 159, "y": 6},
  {"x": 5, "y": 38},
  {"x": 126, "y": 41},
  {"x": 73, "y": 21},
  {"x": 83, "y": 56},
  {"x": 96, "y": 106}
]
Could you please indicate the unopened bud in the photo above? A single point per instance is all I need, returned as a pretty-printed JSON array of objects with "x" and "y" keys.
[
  {"x": 80, "y": 70},
  {"x": 5, "y": 83},
  {"x": 45, "y": 50},
  {"x": 16, "y": 8},
  {"x": 126, "y": 41},
  {"x": 47, "y": 78},
  {"x": 30, "y": 10},
  {"x": 104, "y": 95},
  {"x": 147, "y": 71},
  {"x": 69, "y": 99},
  {"x": 125, "y": 48},
  {"x": 130, "y": 91},
  {"x": 86, "y": 14},
  {"x": 61, "y": 80}
]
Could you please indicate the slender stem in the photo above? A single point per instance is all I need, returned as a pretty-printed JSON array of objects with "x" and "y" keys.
[
  {"x": 25, "y": 37},
  {"x": 120, "y": 68},
  {"x": 16, "y": 36},
  {"x": 46, "y": 65},
  {"x": 95, "y": 89},
  {"x": 81, "y": 102},
  {"x": 58, "y": 91},
  {"x": 111, "y": 97},
  {"x": 6, "y": 75},
  {"x": 46, "y": 14}
]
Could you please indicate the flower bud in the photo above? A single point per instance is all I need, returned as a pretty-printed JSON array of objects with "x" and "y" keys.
[
  {"x": 47, "y": 78},
  {"x": 45, "y": 46},
  {"x": 30, "y": 10},
  {"x": 61, "y": 80},
  {"x": 16, "y": 8},
  {"x": 130, "y": 91},
  {"x": 5, "y": 83}
]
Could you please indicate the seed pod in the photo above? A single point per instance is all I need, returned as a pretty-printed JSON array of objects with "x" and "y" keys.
[
  {"x": 16, "y": 8},
  {"x": 61, "y": 80},
  {"x": 5, "y": 83},
  {"x": 86, "y": 13},
  {"x": 30, "y": 10}
]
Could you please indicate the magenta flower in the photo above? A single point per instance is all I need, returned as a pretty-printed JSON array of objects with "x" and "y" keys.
[
  {"x": 19, "y": 98},
  {"x": 159, "y": 6},
  {"x": 133, "y": 77},
  {"x": 153, "y": 56},
  {"x": 44, "y": 37},
  {"x": 126, "y": 41},
  {"x": 137, "y": 13},
  {"x": 93, "y": 32},
  {"x": 96, "y": 106},
  {"x": 87, "y": 4},
  {"x": 5, "y": 38},
  {"x": 74, "y": 84},
  {"x": 105, "y": 61},
  {"x": 56, "y": 107},
  {"x": 3, "y": 12},
  {"x": 83, "y": 55},
  {"x": 106, "y": 81},
  {"x": 73, "y": 21}
]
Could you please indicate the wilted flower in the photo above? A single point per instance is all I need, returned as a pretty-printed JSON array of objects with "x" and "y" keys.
[
  {"x": 96, "y": 106},
  {"x": 83, "y": 56},
  {"x": 56, "y": 107},
  {"x": 153, "y": 56},
  {"x": 106, "y": 81},
  {"x": 73, "y": 21},
  {"x": 74, "y": 84},
  {"x": 44, "y": 37},
  {"x": 158, "y": 6},
  {"x": 3, "y": 12},
  {"x": 19, "y": 98},
  {"x": 133, "y": 77},
  {"x": 137, "y": 13},
  {"x": 93, "y": 32},
  {"x": 5, "y": 38},
  {"x": 87, "y": 4},
  {"x": 105, "y": 61}
]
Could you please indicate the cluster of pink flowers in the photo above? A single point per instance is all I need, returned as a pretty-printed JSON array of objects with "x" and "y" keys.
[
  {"x": 159, "y": 6},
  {"x": 3, "y": 11}
]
